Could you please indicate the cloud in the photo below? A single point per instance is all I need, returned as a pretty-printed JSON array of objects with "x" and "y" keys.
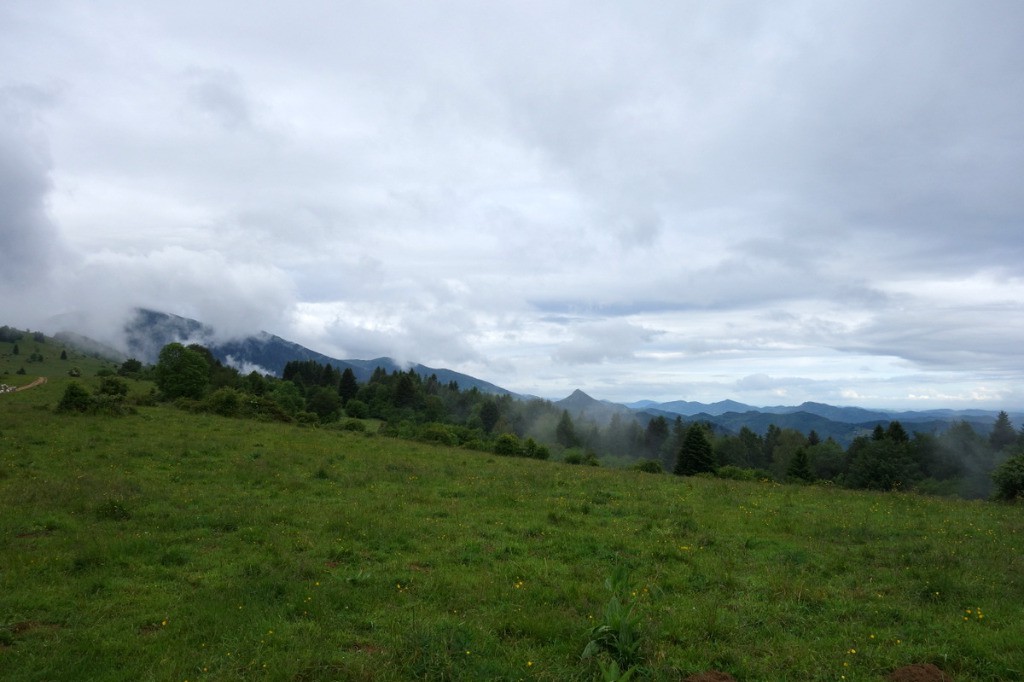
[
  {"x": 28, "y": 237},
  {"x": 680, "y": 196},
  {"x": 236, "y": 298},
  {"x": 602, "y": 340},
  {"x": 220, "y": 97}
]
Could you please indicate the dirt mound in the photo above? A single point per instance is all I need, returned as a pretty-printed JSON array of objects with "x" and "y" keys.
[
  {"x": 711, "y": 676},
  {"x": 925, "y": 672}
]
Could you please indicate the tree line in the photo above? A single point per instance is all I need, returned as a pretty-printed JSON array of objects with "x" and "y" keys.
[{"x": 958, "y": 461}]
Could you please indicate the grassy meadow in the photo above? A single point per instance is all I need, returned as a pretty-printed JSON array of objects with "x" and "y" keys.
[{"x": 170, "y": 546}]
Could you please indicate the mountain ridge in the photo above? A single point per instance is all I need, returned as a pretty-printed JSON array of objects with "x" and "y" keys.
[{"x": 148, "y": 331}]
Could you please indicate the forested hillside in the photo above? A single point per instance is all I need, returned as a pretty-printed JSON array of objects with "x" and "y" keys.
[{"x": 404, "y": 404}]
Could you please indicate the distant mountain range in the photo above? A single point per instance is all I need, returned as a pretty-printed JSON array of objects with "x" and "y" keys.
[
  {"x": 728, "y": 416},
  {"x": 148, "y": 331}
]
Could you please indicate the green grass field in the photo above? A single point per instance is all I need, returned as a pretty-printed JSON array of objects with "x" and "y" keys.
[{"x": 170, "y": 546}]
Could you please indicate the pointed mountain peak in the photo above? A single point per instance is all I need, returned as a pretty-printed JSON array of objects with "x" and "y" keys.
[
  {"x": 576, "y": 399},
  {"x": 578, "y": 396}
]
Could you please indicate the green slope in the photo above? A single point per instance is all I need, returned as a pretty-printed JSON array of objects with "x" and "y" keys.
[{"x": 170, "y": 546}]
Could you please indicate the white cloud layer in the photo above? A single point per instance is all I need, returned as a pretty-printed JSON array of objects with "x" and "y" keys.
[{"x": 769, "y": 201}]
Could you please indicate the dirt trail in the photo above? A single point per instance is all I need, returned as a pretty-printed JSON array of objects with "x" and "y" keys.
[{"x": 38, "y": 382}]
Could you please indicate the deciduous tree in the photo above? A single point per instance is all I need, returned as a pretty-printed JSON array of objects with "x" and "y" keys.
[
  {"x": 1009, "y": 479},
  {"x": 181, "y": 372}
]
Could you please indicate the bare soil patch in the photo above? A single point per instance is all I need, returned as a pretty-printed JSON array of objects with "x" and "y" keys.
[
  {"x": 4, "y": 388},
  {"x": 921, "y": 672}
]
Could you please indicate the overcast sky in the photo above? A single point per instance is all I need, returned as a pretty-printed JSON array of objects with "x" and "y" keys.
[{"x": 766, "y": 201}]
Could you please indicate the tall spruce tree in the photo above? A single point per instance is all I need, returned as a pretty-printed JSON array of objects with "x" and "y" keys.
[
  {"x": 1003, "y": 433},
  {"x": 565, "y": 432},
  {"x": 800, "y": 466},
  {"x": 696, "y": 454},
  {"x": 489, "y": 414},
  {"x": 348, "y": 387}
]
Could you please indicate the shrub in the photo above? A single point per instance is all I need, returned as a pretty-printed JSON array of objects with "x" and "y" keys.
[
  {"x": 146, "y": 399},
  {"x": 353, "y": 425},
  {"x": 112, "y": 405},
  {"x": 1009, "y": 479},
  {"x": 574, "y": 456},
  {"x": 307, "y": 418},
  {"x": 226, "y": 402},
  {"x": 534, "y": 450},
  {"x": 357, "y": 409},
  {"x": 507, "y": 444},
  {"x": 649, "y": 466},
  {"x": 264, "y": 408},
  {"x": 736, "y": 473},
  {"x": 75, "y": 399},
  {"x": 437, "y": 433},
  {"x": 113, "y": 386},
  {"x": 325, "y": 402},
  {"x": 130, "y": 368}
]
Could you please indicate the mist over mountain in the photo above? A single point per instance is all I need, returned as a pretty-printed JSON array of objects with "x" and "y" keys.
[
  {"x": 842, "y": 424},
  {"x": 839, "y": 423},
  {"x": 148, "y": 331},
  {"x": 579, "y": 403}
]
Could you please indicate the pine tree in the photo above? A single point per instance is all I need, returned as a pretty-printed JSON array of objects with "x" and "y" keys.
[
  {"x": 896, "y": 433},
  {"x": 348, "y": 387},
  {"x": 1002, "y": 432},
  {"x": 800, "y": 467},
  {"x": 565, "y": 432},
  {"x": 696, "y": 454},
  {"x": 771, "y": 439},
  {"x": 406, "y": 394},
  {"x": 656, "y": 435},
  {"x": 489, "y": 414}
]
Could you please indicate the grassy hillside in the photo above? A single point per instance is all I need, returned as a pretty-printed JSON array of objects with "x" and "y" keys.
[
  {"x": 170, "y": 546},
  {"x": 39, "y": 356}
]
